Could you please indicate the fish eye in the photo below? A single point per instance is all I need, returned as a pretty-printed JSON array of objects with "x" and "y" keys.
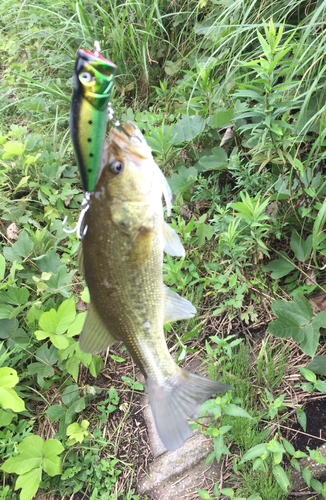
[
  {"x": 86, "y": 77},
  {"x": 115, "y": 167}
]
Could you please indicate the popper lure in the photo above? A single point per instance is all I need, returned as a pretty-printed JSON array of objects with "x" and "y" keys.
[{"x": 93, "y": 81}]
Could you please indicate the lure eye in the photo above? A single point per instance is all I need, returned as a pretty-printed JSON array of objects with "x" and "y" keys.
[
  {"x": 86, "y": 77},
  {"x": 115, "y": 167}
]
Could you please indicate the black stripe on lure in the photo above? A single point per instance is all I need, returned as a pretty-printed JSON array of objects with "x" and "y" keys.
[{"x": 93, "y": 82}]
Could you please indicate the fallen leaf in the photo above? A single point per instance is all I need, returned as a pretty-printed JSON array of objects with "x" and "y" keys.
[
  {"x": 318, "y": 302},
  {"x": 12, "y": 232},
  {"x": 68, "y": 199},
  {"x": 229, "y": 133},
  {"x": 82, "y": 305},
  {"x": 312, "y": 278},
  {"x": 185, "y": 212}
]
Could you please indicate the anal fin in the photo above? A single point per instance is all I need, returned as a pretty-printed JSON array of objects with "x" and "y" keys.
[{"x": 95, "y": 336}]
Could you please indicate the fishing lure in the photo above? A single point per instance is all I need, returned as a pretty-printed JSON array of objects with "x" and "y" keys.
[{"x": 93, "y": 81}]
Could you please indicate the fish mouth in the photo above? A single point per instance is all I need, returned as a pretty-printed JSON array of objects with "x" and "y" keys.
[{"x": 129, "y": 139}]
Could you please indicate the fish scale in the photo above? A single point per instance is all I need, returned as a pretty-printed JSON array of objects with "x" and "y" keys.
[{"x": 122, "y": 252}]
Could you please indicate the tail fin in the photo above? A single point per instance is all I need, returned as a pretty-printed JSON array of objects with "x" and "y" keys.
[{"x": 176, "y": 400}]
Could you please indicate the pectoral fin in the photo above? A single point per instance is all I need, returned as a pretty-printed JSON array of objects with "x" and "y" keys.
[
  {"x": 172, "y": 243},
  {"x": 95, "y": 337},
  {"x": 80, "y": 258},
  {"x": 140, "y": 249},
  {"x": 176, "y": 307}
]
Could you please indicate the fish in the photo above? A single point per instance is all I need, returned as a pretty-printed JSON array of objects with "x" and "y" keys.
[
  {"x": 124, "y": 238},
  {"x": 93, "y": 81}
]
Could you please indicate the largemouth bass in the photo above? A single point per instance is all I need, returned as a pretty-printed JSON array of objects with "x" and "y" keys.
[
  {"x": 93, "y": 81},
  {"x": 122, "y": 247}
]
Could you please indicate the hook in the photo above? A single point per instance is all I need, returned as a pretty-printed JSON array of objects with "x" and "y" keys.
[{"x": 79, "y": 229}]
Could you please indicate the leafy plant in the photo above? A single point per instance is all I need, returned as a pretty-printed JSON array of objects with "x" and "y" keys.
[
  {"x": 295, "y": 319},
  {"x": 8, "y": 396},
  {"x": 265, "y": 453},
  {"x": 34, "y": 456}
]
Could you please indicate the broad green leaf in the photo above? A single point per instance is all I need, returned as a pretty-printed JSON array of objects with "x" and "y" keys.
[
  {"x": 42, "y": 371},
  {"x": 258, "y": 464},
  {"x": 281, "y": 477},
  {"x": 316, "y": 485},
  {"x": 295, "y": 464},
  {"x": 77, "y": 325},
  {"x": 29, "y": 483},
  {"x": 60, "y": 281},
  {"x": 77, "y": 432},
  {"x": 5, "y": 311},
  {"x": 277, "y": 458},
  {"x": 183, "y": 180},
  {"x": 318, "y": 364},
  {"x": 308, "y": 375},
  {"x": 211, "y": 407},
  {"x": 318, "y": 225},
  {"x": 235, "y": 411},
  {"x": 70, "y": 395},
  {"x": 275, "y": 447},
  {"x": 227, "y": 491},
  {"x": 23, "y": 245},
  {"x": 306, "y": 475},
  {"x": 285, "y": 326},
  {"x": 5, "y": 418},
  {"x": 2, "y": 267},
  {"x": 311, "y": 340},
  {"x": 8, "y": 397},
  {"x": 302, "y": 418},
  {"x": 319, "y": 321},
  {"x": 288, "y": 446},
  {"x": 85, "y": 295},
  {"x": 218, "y": 447},
  {"x": 301, "y": 248},
  {"x": 59, "y": 341},
  {"x": 15, "y": 295},
  {"x": 300, "y": 308},
  {"x": 256, "y": 451},
  {"x": 320, "y": 386},
  {"x": 11, "y": 255},
  {"x": 55, "y": 412},
  {"x": 204, "y": 231},
  {"x": 187, "y": 128},
  {"x": 216, "y": 161},
  {"x": 58, "y": 321},
  {"x": 47, "y": 354},
  {"x": 52, "y": 463},
  {"x": 221, "y": 118},
  {"x": 300, "y": 454},
  {"x": 78, "y": 405},
  {"x": 96, "y": 365},
  {"x": 172, "y": 67},
  {"x": 203, "y": 494},
  {"x": 11, "y": 149},
  {"x": 72, "y": 367},
  {"x": 280, "y": 267},
  {"x": 30, "y": 456},
  {"x": 50, "y": 262}
]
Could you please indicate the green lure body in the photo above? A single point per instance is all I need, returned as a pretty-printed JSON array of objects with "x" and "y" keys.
[{"x": 93, "y": 81}]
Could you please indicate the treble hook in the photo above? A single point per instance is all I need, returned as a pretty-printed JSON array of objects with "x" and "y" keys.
[{"x": 118, "y": 124}]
